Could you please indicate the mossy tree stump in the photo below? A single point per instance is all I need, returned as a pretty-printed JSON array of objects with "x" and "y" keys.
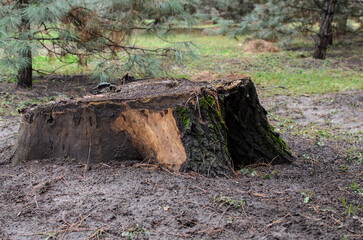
[{"x": 207, "y": 127}]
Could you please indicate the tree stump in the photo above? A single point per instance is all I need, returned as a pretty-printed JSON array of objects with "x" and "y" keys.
[{"x": 211, "y": 128}]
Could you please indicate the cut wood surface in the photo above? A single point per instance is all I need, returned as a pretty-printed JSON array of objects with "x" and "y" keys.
[{"x": 208, "y": 127}]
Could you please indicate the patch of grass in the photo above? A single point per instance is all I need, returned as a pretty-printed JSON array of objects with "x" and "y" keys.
[
  {"x": 344, "y": 167},
  {"x": 285, "y": 124},
  {"x": 307, "y": 196},
  {"x": 248, "y": 171},
  {"x": 353, "y": 153},
  {"x": 320, "y": 134},
  {"x": 238, "y": 204},
  {"x": 98, "y": 234},
  {"x": 355, "y": 187},
  {"x": 49, "y": 236},
  {"x": 67, "y": 65},
  {"x": 10, "y": 103},
  {"x": 351, "y": 210},
  {"x": 135, "y": 231},
  {"x": 287, "y": 71}
]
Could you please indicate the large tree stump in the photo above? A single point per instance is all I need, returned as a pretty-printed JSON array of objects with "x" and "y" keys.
[{"x": 211, "y": 128}]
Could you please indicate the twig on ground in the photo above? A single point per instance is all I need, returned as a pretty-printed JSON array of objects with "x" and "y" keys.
[
  {"x": 98, "y": 231},
  {"x": 74, "y": 227},
  {"x": 166, "y": 220},
  {"x": 253, "y": 194},
  {"x": 336, "y": 220},
  {"x": 35, "y": 200},
  {"x": 284, "y": 208},
  {"x": 203, "y": 191},
  {"x": 154, "y": 187},
  {"x": 180, "y": 235},
  {"x": 210, "y": 232},
  {"x": 64, "y": 181},
  {"x": 243, "y": 209},
  {"x": 196, "y": 223},
  {"x": 280, "y": 220},
  {"x": 211, "y": 215}
]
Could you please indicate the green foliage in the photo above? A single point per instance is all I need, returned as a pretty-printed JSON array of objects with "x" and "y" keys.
[
  {"x": 135, "y": 232},
  {"x": 100, "y": 30},
  {"x": 351, "y": 209},
  {"x": 344, "y": 167},
  {"x": 222, "y": 10},
  {"x": 268, "y": 21},
  {"x": 307, "y": 196},
  {"x": 274, "y": 19},
  {"x": 354, "y": 186},
  {"x": 238, "y": 204},
  {"x": 184, "y": 115},
  {"x": 354, "y": 153},
  {"x": 248, "y": 171}
]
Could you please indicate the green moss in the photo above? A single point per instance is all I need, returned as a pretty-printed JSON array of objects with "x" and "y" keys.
[
  {"x": 184, "y": 116},
  {"x": 209, "y": 104},
  {"x": 275, "y": 137},
  {"x": 216, "y": 113},
  {"x": 205, "y": 137},
  {"x": 206, "y": 102},
  {"x": 281, "y": 142},
  {"x": 226, "y": 150}
]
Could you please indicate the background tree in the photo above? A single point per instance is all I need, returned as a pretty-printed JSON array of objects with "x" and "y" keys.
[
  {"x": 282, "y": 20},
  {"x": 86, "y": 28},
  {"x": 325, "y": 35}
]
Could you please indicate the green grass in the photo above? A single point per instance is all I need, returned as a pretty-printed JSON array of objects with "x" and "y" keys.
[
  {"x": 10, "y": 103},
  {"x": 67, "y": 66},
  {"x": 284, "y": 72}
]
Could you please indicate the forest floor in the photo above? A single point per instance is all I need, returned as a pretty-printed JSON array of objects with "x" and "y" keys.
[
  {"x": 319, "y": 196},
  {"x": 317, "y": 106}
]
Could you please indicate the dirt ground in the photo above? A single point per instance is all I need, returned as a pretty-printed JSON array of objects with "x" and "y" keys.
[{"x": 59, "y": 199}]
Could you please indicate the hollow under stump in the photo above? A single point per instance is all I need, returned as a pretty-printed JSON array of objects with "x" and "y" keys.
[{"x": 211, "y": 128}]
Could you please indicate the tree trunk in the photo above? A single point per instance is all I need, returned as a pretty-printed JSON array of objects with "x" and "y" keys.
[
  {"x": 210, "y": 128},
  {"x": 25, "y": 77},
  {"x": 325, "y": 36}
]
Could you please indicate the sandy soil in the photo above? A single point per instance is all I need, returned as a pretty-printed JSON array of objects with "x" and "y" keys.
[{"x": 59, "y": 199}]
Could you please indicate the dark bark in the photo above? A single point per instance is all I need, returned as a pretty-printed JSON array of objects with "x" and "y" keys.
[
  {"x": 210, "y": 128},
  {"x": 325, "y": 35},
  {"x": 25, "y": 75},
  {"x": 25, "y": 78}
]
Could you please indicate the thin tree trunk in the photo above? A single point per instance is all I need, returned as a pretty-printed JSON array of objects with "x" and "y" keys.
[
  {"x": 325, "y": 36},
  {"x": 25, "y": 73}
]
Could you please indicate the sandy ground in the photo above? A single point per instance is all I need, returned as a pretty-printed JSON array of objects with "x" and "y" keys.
[{"x": 59, "y": 199}]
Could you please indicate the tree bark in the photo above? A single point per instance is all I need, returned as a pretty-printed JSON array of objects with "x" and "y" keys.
[
  {"x": 210, "y": 128},
  {"x": 325, "y": 35},
  {"x": 25, "y": 78}
]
